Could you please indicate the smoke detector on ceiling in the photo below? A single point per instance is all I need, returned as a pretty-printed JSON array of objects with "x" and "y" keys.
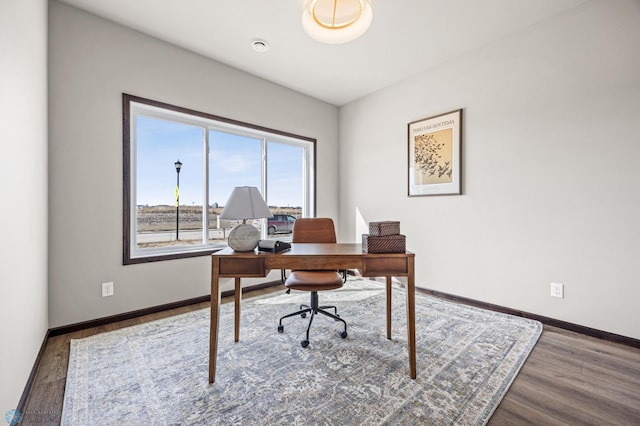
[{"x": 259, "y": 45}]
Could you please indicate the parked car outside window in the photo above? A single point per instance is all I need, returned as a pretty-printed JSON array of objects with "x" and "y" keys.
[{"x": 280, "y": 224}]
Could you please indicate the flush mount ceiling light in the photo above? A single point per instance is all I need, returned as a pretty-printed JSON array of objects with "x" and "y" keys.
[{"x": 336, "y": 21}]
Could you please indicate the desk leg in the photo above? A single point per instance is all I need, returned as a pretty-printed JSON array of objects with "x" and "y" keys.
[
  {"x": 411, "y": 317},
  {"x": 215, "y": 313},
  {"x": 236, "y": 323},
  {"x": 388, "y": 308}
]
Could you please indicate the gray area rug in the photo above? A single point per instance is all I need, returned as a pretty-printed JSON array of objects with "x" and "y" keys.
[{"x": 157, "y": 373}]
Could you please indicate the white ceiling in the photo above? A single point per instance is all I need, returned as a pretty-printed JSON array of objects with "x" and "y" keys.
[{"x": 405, "y": 38}]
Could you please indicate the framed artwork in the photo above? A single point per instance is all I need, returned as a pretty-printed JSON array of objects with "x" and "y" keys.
[{"x": 434, "y": 155}]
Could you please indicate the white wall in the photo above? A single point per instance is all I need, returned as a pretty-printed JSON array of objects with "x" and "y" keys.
[
  {"x": 23, "y": 149},
  {"x": 92, "y": 62},
  {"x": 551, "y": 154}
]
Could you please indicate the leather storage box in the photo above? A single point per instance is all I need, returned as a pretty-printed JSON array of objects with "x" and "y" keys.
[
  {"x": 383, "y": 244},
  {"x": 386, "y": 227}
]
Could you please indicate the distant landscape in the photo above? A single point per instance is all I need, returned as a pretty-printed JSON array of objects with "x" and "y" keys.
[{"x": 159, "y": 219}]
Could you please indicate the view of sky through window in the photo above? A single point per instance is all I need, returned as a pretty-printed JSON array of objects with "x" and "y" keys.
[{"x": 234, "y": 161}]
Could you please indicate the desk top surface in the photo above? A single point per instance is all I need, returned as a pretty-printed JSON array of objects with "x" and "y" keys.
[{"x": 313, "y": 249}]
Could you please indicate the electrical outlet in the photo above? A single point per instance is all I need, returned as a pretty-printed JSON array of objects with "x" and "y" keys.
[
  {"x": 557, "y": 290},
  {"x": 107, "y": 289}
]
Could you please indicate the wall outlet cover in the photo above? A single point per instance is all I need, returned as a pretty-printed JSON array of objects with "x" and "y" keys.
[
  {"x": 107, "y": 289},
  {"x": 557, "y": 290}
]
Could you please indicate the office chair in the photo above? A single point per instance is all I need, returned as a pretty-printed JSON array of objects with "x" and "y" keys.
[{"x": 314, "y": 230}]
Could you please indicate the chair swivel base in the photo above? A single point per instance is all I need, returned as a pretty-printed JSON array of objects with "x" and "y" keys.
[{"x": 314, "y": 309}]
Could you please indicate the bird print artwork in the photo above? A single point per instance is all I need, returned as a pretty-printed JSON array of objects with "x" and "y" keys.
[{"x": 433, "y": 157}]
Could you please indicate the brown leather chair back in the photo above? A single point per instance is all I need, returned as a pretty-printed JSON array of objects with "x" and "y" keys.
[{"x": 314, "y": 230}]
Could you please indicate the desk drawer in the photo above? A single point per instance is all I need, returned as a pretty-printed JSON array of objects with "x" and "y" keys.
[
  {"x": 245, "y": 267},
  {"x": 384, "y": 266}
]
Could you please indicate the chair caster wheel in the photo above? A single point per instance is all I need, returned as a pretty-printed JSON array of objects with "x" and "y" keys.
[
  {"x": 343, "y": 334},
  {"x": 304, "y": 343},
  {"x": 304, "y": 315},
  {"x": 280, "y": 328}
]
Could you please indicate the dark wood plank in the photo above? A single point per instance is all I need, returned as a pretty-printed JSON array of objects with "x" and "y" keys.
[
  {"x": 574, "y": 379},
  {"x": 512, "y": 412},
  {"x": 54, "y": 362},
  {"x": 44, "y": 406}
]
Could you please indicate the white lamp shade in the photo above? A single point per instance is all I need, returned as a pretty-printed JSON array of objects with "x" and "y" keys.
[{"x": 245, "y": 202}]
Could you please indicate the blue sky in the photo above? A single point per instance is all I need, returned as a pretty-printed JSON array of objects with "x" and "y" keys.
[{"x": 234, "y": 161}]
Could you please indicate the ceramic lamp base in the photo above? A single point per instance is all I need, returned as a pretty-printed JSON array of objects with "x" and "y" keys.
[{"x": 244, "y": 237}]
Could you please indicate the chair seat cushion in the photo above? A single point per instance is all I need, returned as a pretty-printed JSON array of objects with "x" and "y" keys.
[{"x": 314, "y": 280}]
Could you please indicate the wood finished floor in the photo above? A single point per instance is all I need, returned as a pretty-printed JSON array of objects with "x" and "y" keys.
[{"x": 569, "y": 379}]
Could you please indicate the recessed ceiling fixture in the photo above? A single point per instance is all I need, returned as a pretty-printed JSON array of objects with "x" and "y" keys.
[
  {"x": 336, "y": 21},
  {"x": 259, "y": 45}
]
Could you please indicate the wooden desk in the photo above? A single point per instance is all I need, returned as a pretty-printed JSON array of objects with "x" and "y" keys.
[{"x": 229, "y": 264}]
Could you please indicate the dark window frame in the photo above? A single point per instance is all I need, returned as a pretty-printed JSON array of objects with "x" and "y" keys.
[{"x": 127, "y": 100}]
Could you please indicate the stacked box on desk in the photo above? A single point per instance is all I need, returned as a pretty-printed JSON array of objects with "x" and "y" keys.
[
  {"x": 383, "y": 244},
  {"x": 384, "y": 237},
  {"x": 386, "y": 227}
]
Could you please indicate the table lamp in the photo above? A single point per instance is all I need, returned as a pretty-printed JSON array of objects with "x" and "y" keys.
[{"x": 245, "y": 203}]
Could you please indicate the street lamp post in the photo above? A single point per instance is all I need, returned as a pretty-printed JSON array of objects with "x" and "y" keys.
[{"x": 178, "y": 165}]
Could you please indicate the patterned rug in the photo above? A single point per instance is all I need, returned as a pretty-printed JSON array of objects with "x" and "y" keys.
[{"x": 156, "y": 373}]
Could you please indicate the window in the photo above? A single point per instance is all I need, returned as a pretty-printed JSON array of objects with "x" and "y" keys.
[{"x": 180, "y": 166}]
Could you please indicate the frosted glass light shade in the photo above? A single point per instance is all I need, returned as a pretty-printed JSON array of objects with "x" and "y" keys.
[{"x": 336, "y": 22}]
